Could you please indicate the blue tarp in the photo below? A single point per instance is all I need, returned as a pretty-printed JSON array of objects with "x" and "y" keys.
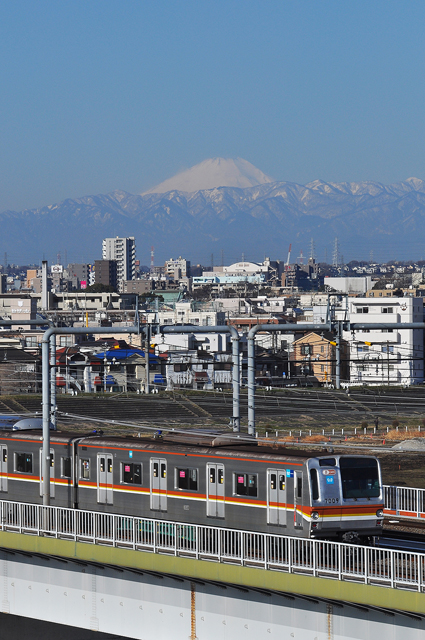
[{"x": 123, "y": 354}]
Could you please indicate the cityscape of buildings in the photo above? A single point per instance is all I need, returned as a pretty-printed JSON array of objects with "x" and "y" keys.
[{"x": 111, "y": 291}]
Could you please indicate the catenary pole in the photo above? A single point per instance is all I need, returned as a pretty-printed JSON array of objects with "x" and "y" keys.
[{"x": 45, "y": 368}]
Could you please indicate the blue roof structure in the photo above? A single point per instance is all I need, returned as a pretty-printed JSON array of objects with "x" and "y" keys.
[{"x": 123, "y": 354}]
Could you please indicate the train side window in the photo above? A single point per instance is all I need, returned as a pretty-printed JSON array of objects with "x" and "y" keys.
[
  {"x": 155, "y": 469},
  {"x": 272, "y": 481},
  {"x": 131, "y": 473},
  {"x": 85, "y": 469},
  {"x": 245, "y": 484},
  {"x": 4, "y": 454},
  {"x": 327, "y": 462},
  {"x": 220, "y": 476},
  {"x": 282, "y": 482},
  {"x": 314, "y": 484},
  {"x": 187, "y": 479},
  {"x": 300, "y": 487},
  {"x": 65, "y": 467},
  {"x": 23, "y": 462}
]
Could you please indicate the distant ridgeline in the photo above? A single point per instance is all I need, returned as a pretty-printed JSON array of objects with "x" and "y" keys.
[{"x": 255, "y": 220}]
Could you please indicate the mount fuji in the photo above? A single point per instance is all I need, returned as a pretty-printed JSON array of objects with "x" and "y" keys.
[{"x": 212, "y": 173}]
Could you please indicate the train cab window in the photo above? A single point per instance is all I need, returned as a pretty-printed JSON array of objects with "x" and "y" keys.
[
  {"x": 131, "y": 473},
  {"x": 360, "y": 478},
  {"x": 314, "y": 484},
  {"x": 186, "y": 479},
  {"x": 245, "y": 484},
  {"x": 66, "y": 467},
  {"x": 85, "y": 469},
  {"x": 327, "y": 462},
  {"x": 23, "y": 462}
]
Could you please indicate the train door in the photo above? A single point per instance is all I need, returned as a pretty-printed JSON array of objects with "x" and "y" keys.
[
  {"x": 276, "y": 496},
  {"x": 159, "y": 484},
  {"x": 215, "y": 490},
  {"x": 3, "y": 467},
  {"x": 298, "y": 499},
  {"x": 52, "y": 473},
  {"x": 105, "y": 478}
]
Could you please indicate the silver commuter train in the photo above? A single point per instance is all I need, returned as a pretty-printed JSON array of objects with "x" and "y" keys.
[{"x": 200, "y": 479}]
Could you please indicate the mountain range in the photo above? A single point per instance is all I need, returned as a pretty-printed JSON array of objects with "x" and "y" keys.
[{"x": 257, "y": 220}]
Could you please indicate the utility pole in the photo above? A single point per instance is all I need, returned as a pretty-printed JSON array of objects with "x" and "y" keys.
[
  {"x": 388, "y": 363},
  {"x": 338, "y": 356},
  {"x": 335, "y": 253},
  {"x": 147, "y": 345}
]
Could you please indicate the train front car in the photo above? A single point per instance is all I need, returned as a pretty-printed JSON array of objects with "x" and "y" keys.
[{"x": 346, "y": 497}]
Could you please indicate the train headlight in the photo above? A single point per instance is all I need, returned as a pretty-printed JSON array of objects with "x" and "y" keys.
[
  {"x": 380, "y": 513},
  {"x": 314, "y": 515}
]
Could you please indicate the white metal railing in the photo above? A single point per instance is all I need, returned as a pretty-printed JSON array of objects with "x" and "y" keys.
[
  {"x": 368, "y": 565},
  {"x": 404, "y": 502}
]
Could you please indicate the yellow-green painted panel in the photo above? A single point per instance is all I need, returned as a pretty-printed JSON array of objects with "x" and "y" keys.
[{"x": 411, "y": 601}]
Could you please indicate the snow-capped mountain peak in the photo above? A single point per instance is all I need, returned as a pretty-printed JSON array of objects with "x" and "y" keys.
[{"x": 212, "y": 173}]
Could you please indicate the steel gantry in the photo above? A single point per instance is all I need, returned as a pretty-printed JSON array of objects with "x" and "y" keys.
[{"x": 234, "y": 335}]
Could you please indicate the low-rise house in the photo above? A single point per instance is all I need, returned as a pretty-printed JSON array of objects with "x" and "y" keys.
[{"x": 314, "y": 357}]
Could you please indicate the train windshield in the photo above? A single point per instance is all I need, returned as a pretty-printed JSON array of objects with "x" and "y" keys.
[{"x": 360, "y": 478}]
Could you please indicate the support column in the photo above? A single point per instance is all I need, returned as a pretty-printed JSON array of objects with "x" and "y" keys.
[{"x": 53, "y": 380}]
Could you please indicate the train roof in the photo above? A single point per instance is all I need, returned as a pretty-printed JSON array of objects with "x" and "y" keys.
[{"x": 191, "y": 442}]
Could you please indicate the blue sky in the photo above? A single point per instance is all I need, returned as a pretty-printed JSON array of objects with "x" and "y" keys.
[{"x": 105, "y": 95}]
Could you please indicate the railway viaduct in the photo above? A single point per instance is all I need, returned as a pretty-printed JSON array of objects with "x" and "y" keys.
[{"x": 163, "y": 581}]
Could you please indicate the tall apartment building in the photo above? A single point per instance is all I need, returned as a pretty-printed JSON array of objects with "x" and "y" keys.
[{"x": 123, "y": 250}]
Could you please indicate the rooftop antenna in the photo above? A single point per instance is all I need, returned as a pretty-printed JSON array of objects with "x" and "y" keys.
[
  {"x": 58, "y": 258},
  {"x": 152, "y": 260},
  {"x": 300, "y": 259}
]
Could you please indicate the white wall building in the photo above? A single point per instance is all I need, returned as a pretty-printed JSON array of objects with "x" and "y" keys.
[
  {"x": 177, "y": 269},
  {"x": 123, "y": 250},
  {"x": 184, "y": 313},
  {"x": 357, "y": 285},
  {"x": 386, "y": 356},
  {"x": 199, "y": 361}
]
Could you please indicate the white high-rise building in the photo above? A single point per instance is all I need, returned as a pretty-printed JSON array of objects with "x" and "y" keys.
[{"x": 123, "y": 250}]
